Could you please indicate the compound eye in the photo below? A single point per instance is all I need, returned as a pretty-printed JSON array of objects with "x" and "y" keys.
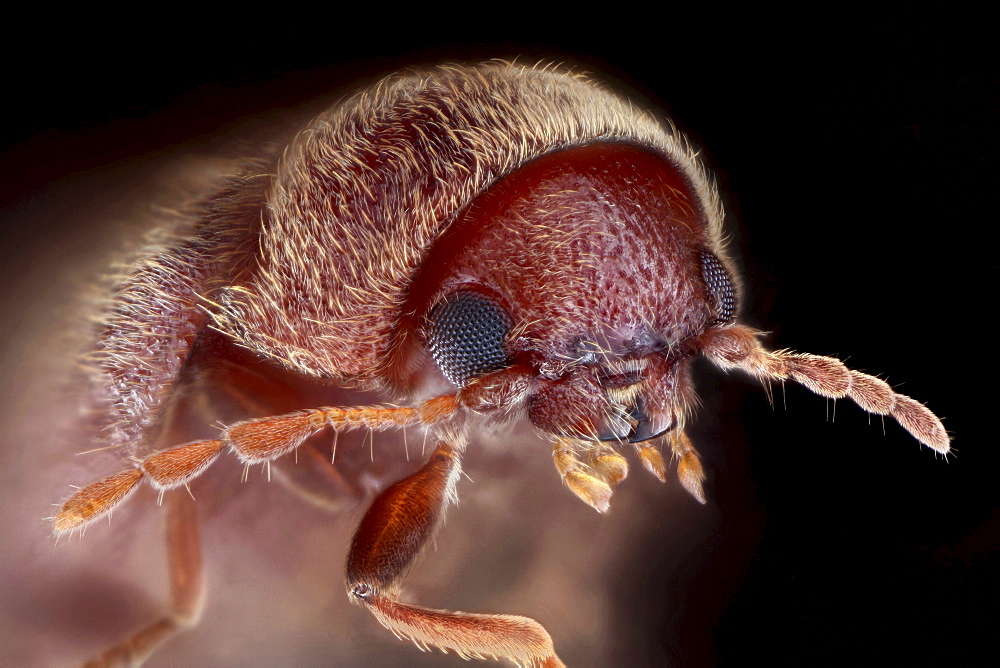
[
  {"x": 720, "y": 287},
  {"x": 466, "y": 336}
]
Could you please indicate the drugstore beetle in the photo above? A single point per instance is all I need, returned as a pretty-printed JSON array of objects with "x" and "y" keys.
[{"x": 521, "y": 236}]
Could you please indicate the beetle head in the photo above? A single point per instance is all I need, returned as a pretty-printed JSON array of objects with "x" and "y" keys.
[{"x": 592, "y": 272}]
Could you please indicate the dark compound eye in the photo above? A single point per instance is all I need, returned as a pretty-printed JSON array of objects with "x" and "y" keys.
[
  {"x": 720, "y": 287},
  {"x": 467, "y": 334}
]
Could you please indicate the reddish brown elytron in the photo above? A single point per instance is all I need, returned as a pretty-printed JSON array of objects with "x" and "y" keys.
[{"x": 519, "y": 235}]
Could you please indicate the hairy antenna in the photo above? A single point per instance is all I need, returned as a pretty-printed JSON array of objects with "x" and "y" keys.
[{"x": 738, "y": 347}]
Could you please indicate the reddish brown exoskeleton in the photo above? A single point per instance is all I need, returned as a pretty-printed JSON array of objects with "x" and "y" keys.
[{"x": 521, "y": 236}]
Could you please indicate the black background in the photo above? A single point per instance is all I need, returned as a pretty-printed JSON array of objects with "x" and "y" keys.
[{"x": 857, "y": 156}]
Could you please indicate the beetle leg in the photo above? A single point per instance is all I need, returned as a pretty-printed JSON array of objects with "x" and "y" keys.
[
  {"x": 254, "y": 441},
  {"x": 388, "y": 540},
  {"x": 580, "y": 478},
  {"x": 737, "y": 347},
  {"x": 187, "y": 588}
]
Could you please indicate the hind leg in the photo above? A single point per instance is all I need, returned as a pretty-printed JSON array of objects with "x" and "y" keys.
[{"x": 187, "y": 587}]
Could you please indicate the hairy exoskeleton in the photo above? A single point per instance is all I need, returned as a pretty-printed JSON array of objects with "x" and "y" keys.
[{"x": 549, "y": 249}]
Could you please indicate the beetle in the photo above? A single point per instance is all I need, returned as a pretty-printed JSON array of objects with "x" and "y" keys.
[{"x": 476, "y": 244}]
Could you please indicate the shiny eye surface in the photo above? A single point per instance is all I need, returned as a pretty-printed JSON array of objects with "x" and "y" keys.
[
  {"x": 467, "y": 334},
  {"x": 720, "y": 287}
]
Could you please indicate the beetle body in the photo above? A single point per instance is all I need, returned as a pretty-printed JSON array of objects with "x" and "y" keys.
[{"x": 476, "y": 243}]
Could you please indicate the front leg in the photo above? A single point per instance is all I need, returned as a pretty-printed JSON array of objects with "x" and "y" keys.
[{"x": 388, "y": 540}]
